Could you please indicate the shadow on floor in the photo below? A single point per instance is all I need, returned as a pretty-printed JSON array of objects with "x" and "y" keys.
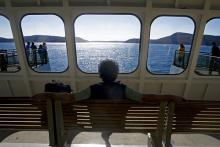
[
  {"x": 4, "y": 134},
  {"x": 105, "y": 137},
  {"x": 216, "y": 136}
]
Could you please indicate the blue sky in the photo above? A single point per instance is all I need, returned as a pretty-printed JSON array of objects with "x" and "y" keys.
[
  {"x": 105, "y": 27},
  {"x": 5, "y": 28},
  {"x": 213, "y": 27},
  {"x": 42, "y": 25},
  {"x": 167, "y": 25}
]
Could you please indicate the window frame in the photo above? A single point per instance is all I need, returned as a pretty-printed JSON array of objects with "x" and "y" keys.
[
  {"x": 192, "y": 42},
  {"x": 74, "y": 39},
  {"x": 55, "y": 14}
]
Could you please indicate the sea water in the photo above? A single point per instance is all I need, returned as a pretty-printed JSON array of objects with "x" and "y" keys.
[{"x": 160, "y": 57}]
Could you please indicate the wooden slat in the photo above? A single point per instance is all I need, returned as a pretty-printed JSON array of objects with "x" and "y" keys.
[
  {"x": 202, "y": 116},
  {"x": 22, "y": 113},
  {"x": 108, "y": 115}
]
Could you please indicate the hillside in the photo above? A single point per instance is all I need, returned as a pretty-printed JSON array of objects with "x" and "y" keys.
[
  {"x": 186, "y": 39},
  {"x": 175, "y": 38},
  {"x": 43, "y": 38},
  {"x": 133, "y": 40},
  {"x": 6, "y": 39}
]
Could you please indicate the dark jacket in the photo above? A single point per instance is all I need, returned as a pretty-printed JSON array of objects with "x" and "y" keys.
[
  {"x": 113, "y": 90},
  {"x": 215, "y": 51}
]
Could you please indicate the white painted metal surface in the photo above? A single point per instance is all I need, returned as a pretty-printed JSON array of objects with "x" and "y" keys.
[{"x": 188, "y": 84}]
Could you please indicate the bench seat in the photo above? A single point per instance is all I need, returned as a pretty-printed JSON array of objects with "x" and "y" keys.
[
  {"x": 193, "y": 117},
  {"x": 26, "y": 114},
  {"x": 111, "y": 116}
]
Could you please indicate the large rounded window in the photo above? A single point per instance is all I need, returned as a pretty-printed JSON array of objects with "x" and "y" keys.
[
  {"x": 44, "y": 43},
  {"x": 170, "y": 44},
  {"x": 8, "y": 53},
  {"x": 105, "y": 36}
]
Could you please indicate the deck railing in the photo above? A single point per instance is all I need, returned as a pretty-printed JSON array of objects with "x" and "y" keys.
[
  {"x": 203, "y": 62},
  {"x": 184, "y": 61},
  {"x": 9, "y": 58},
  {"x": 34, "y": 59}
]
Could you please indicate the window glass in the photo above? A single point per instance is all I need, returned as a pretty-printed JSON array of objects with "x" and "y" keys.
[
  {"x": 44, "y": 43},
  {"x": 208, "y": 62},
  {"x": 170, "y": 44},
  {"x": 8, "y": 53},
  {"x": 100, "y": 37}
]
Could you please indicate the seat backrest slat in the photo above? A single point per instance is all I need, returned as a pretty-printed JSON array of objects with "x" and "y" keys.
[
  {"x": 202, "y": 116},
  {"x": 117, "y": 115}
]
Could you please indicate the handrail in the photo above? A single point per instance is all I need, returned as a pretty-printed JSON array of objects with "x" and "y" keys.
[
  {"x": 11, "y": 58},
  {"x": 184, "y": 59},
  {"x": 203, "y": 62}
]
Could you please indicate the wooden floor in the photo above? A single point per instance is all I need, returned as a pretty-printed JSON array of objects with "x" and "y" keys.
[{"x": 88, "y": 139}]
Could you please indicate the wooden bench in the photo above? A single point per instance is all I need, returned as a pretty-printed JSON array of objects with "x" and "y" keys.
[
  {"x": 193, "y": 117},
  {"x": 24, "y": 113},
  {"x": 111, "y": 116}
]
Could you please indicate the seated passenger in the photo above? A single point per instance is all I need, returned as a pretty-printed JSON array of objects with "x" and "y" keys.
[
  {"x": 112, "y": 89},
  {"x": 109, "y": 88}
]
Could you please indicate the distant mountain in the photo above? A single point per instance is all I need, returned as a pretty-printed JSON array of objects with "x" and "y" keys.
[
  {"x": 6, "y": 39},
  {"x": 44, "y": 38},
  {"x": 133, "y": 40},
  {"x": 175, "y": 38},
  {"x": 78, "y": 39},
  {"x": 185, "y": 38},
  {"x": 208, "y": 39}
]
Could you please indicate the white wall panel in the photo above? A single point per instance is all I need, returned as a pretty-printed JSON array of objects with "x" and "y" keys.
[
  {"x": 4, "y": 89},
  {"x": 197, "y": 91},
  {"x": 212, "y": 92},
  {"x": 173, "y": 88},
  {"x": 19, "y": 88},
  {"x": 134, "y": 86},
  {"x": 152, "y": 88}
]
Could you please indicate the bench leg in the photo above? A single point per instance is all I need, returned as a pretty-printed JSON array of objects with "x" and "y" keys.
[
  {"x": 60, "y": 133},
  {"x": 160, "y": 125},
  {"x": 150, "y": 141},
  {"x": 169, "y": 122},
  {"x": 51, "y": 126}
]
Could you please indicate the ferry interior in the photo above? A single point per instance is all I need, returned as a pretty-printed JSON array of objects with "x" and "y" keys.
[{"x": 162, "y": 47}]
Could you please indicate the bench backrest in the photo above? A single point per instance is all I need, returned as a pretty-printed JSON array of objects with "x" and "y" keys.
[
  {"x": 110, "y": 115},
  {"x": 20, "y": 113},
  {"x": 197, "y": 116},
  {"x": 117, "y": 116},
  {"x": 25, "y": 113}
]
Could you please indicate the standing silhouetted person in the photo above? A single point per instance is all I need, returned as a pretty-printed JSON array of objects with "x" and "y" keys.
[
  {"x": 41, "y": 53},
  {"x": 34, "y": 53},
  {"x": 215, "y": 53},
  {"x": 45, "y": 54},
  {"x": 27, "y": 49},
  {"x": 181, "y": 54}
]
